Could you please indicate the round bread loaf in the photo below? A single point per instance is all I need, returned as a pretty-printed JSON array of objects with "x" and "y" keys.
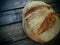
[{"x": 40, "y": 21}]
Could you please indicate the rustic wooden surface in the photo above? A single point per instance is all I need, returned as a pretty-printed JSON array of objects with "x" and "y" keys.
[{"x": 11, "y": 29}]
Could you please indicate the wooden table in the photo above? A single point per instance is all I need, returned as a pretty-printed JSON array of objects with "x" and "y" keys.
[{"x": 11, "y": 29}]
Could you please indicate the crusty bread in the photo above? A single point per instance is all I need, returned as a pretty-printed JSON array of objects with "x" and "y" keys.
[{"x": 40, "y": 22}]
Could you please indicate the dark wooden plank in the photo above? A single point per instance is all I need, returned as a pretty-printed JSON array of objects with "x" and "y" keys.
[
  {"x": 56, "y": 7},
  {"x": 25, "y": 42},
  {"x": 58, "y": 15},
  {"x": 11, "y": 9},
  {"x": 53, "y": 5},
  {"x": 47, "y": 1},
  {"x": 10, "y": 4},
  {"x": 10, "y": 16},
  {"x": 12, "y": 32},
  {"x": 28, "y": 41}
]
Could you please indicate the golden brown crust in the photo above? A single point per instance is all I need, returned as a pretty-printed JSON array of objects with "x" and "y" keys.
[
  {"x": 48, "y": 23},
  {"x": 29, "y": 11},
  {"x": 34, "y": 36}
]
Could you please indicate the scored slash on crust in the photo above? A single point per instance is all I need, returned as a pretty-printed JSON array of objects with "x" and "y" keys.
[
  {"x": 38, "y": 7},
  {"x": 48, "y": 23}
]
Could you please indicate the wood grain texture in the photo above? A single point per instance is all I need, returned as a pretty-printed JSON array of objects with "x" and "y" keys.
[
  {"x": 28, "y": 41},
  {"x": 10, "y": 4},
  {"x": 12, "y": 32},
  {"x": 10, "y": 16}
]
